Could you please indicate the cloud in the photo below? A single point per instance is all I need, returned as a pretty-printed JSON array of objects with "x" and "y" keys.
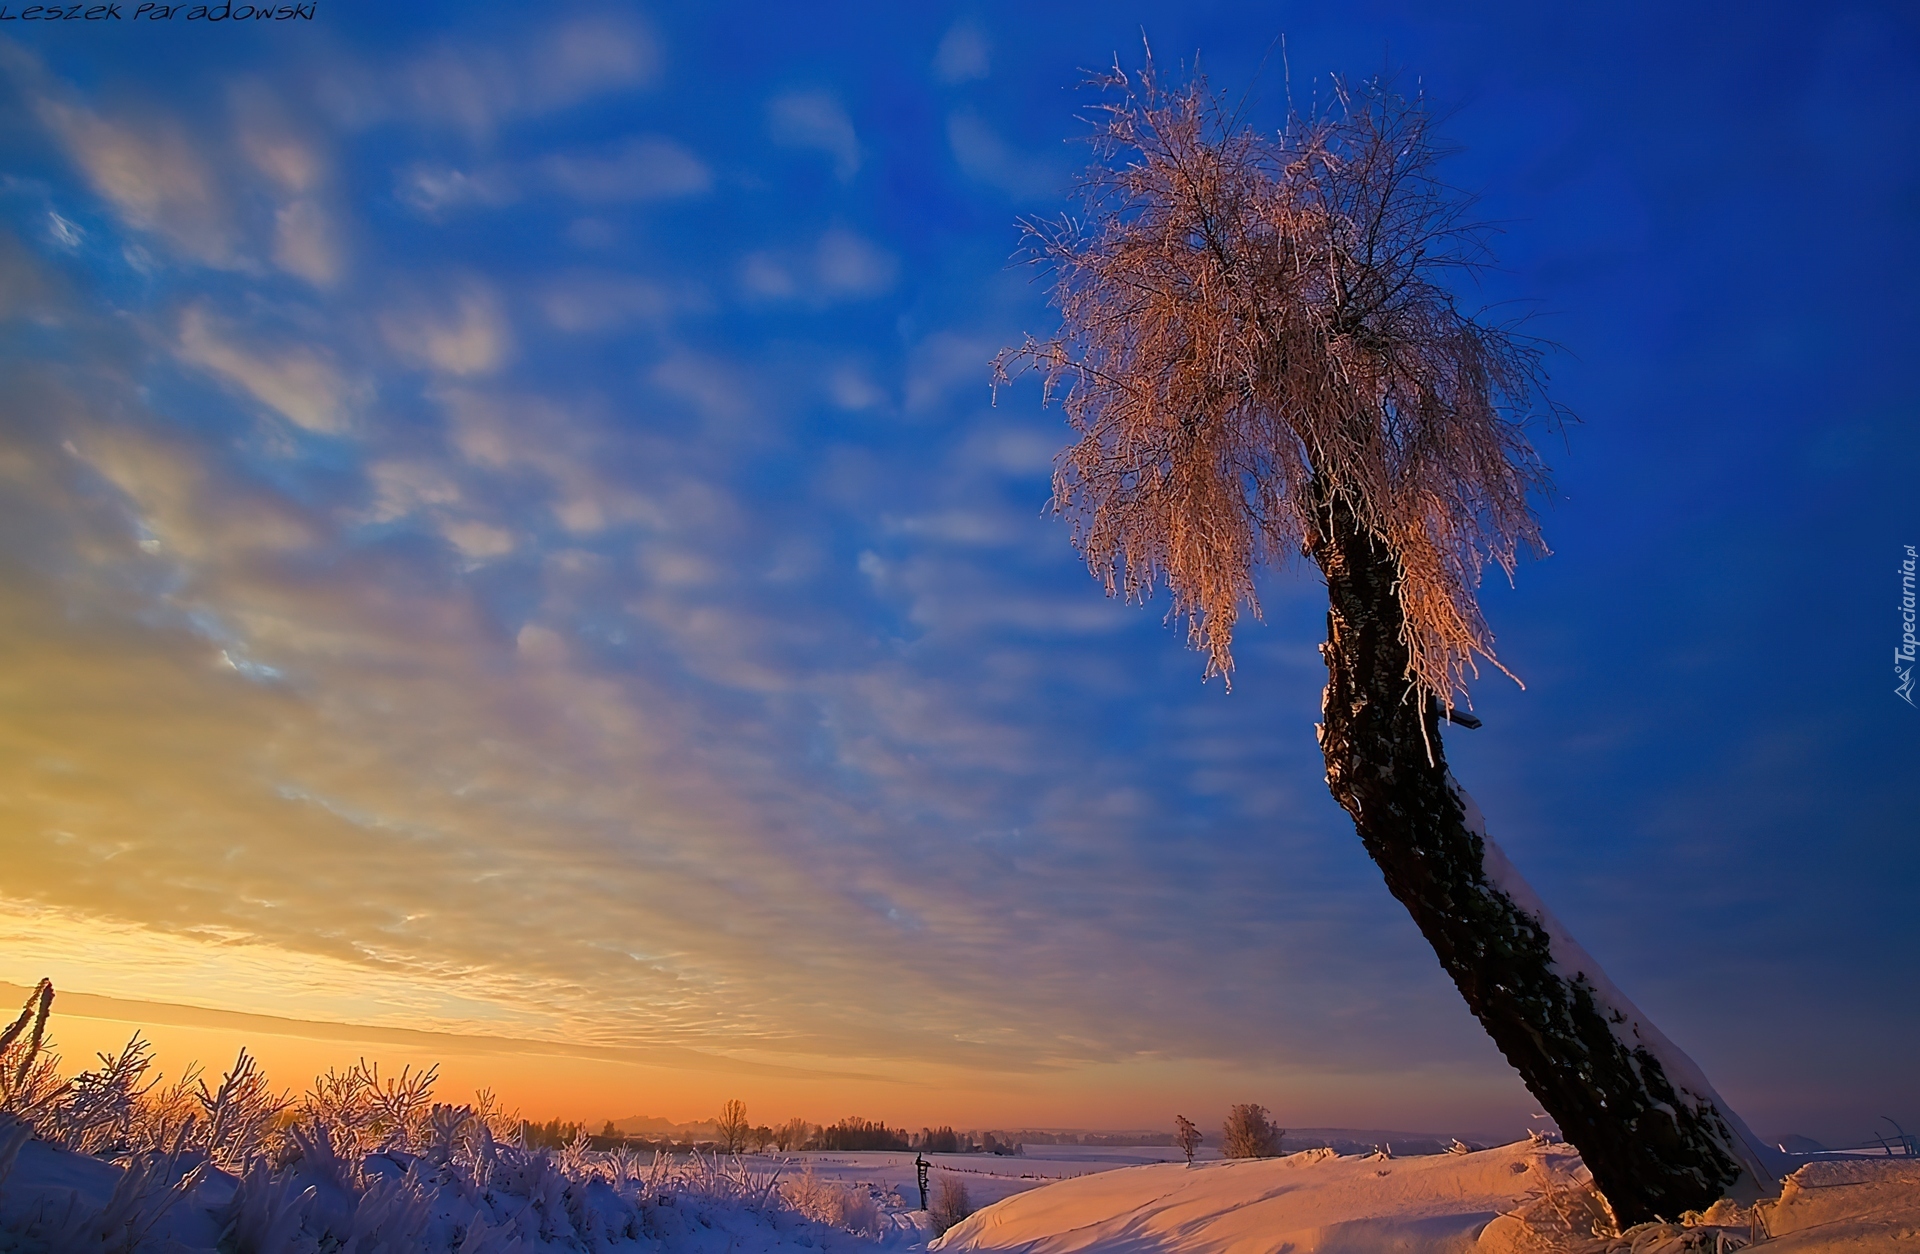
[
  {"x": 711, "y": 385},
  {"x": 816, "y": 120},
  {"x": 300, "y": 384},
  {"x": 477, "y": 540},
  {"x": 29, "y": 288},
  {"x": 306, "y": 243},
  {"x": 475, "y": 89},
  {"x": 851, "y": 389},
  {"x": 943, "y": 362},
  {"x": 433, "y": 188},
  {"x": 464, "y": 334},
  {"x": 852, "y": 267},
  {"x": 964, "y": 54},
  {"x": 152, "y": 173},
  {"x": 841, "y": 266},
  {"x": 1018, "y": 451},
  {"x": 400, "y": 488},
  {"x": 518, "y": 436},
  {"x": 591, "y": 301},
  {"x": 639, "y": 169},
  {"x": 590, "y": 55},
  {"x": 160, "y": 178},
  {"x": 972, "y": 527},
  {"x": 987, "y": 158},
  {"x": 178, "y": 516},
  {"x": 765, "y": 276}
]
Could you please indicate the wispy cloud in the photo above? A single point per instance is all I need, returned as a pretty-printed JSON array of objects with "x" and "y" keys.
[
  {"x": 643, "y": 168},
  {"x": 816, "y": 120},
  {"x": 152, "y": 173},
  {"x": 988, "y": 158},
  {"x": 433, "y": 188},
  {"x": 477, "y": 88},
  {"x": 300, "y": 384},
  {"x": 460, "y": 331},
  {"x": 964, "y": 54},
  {"x": 596, "y": 301},
  {"x": 841, "y": 266}
]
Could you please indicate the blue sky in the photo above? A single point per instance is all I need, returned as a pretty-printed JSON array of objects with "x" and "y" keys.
[{"x": 506, "y": 530}]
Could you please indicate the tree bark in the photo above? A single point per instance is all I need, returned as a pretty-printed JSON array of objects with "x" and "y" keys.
[{"x": 1655, "y": 1135}]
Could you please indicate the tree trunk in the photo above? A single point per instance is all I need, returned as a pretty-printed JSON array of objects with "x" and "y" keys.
[{"x": 1656, "y": 1136}]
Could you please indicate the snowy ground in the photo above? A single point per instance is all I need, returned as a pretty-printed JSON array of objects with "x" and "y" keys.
[
  {"x": 1518, "y": 1199},
  {"x": 988, "y": 1178}
]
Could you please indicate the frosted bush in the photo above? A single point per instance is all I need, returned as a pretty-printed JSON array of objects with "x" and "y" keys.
[
  {"x": 1248, "y": 1133},
  {"x": 29, "y": 1074},
  {"x": 359, "y": 1164},
  {"x": 149, "y": 1186},
  {"x": 838, "y": 1205},
  {"x": 950, "y": 1204},
  {"x": 267, "y": 1212},
  {"x": 96, "y": 1111},
  {"x": 237, "y": 1116}
]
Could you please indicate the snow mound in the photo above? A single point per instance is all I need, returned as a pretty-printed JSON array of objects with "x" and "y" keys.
[
  {"x": 1303, "y": 1203},
  {"x": 1526, "y": 1198},
  {"x": 1867, "y": 1206}
]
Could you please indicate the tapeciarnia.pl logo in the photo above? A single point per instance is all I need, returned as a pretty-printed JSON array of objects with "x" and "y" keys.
[{"x": 1903, "y": 656}]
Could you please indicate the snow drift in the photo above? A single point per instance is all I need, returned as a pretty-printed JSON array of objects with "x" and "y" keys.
[{"x": 1527, "y": 1198}]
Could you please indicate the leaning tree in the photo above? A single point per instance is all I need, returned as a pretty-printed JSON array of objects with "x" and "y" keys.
[{"x": 1261, "y": 357}]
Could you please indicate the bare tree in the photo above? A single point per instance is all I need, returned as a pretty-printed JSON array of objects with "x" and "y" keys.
[
  {"x": 731, "y": 1129},
  {"x": 950, "y": 1204},
  {"x": 1186, "y": 1136},
  {"x": 1248, "y": 1133},
  {"x": 1260, "y": 358}
]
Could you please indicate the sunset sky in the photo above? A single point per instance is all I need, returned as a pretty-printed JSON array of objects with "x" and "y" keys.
[{"x": 508, "y": 557}]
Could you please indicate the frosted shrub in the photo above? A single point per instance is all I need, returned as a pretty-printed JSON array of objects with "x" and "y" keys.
[
  {"x": 1248, "y": 1133},
  {"x": 147, "y": 1189},
  {"x": 236, "y": 1117},
  {"x": 267, "y": 1212},
  {"x": 360, "y": 1164},
  {"x": 366, "y": 1113},
  {"x": 950, "y": 1204},
  {"x": 577, "y": 1160},
  {"x": 726, "y": 1181},
  {"x": 839, "y": 1205},
  {"x": 29, "y": 1077},
  {"x": 389, "y": 1217},
  {"x": 97, "y": 1110}
]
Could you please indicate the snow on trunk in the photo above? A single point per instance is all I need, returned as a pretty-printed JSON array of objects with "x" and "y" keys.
[
  {"x": 1759, "y": 1162},
  {"x": 1650, "y": 1128}
]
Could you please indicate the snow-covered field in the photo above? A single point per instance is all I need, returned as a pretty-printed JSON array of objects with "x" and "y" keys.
[{"x": 1527, "y": 1198}]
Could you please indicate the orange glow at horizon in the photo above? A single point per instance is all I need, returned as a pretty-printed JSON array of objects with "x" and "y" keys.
[{"x": 545, "y": 1080}]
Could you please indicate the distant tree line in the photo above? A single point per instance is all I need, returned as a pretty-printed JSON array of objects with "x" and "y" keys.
[
  {"x": 735, "y": 1133},
  {"x": 550, "y": 1135}
]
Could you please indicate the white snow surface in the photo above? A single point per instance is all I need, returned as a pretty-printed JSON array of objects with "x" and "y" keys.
[
  {"x": 1486, "y": 1202},
  {"x": 1054, "y": 1200},
  {"x": 1311, "y": 1201}
]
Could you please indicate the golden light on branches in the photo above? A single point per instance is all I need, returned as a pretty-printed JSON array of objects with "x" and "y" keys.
[{"x": 1254, "y": 325}]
